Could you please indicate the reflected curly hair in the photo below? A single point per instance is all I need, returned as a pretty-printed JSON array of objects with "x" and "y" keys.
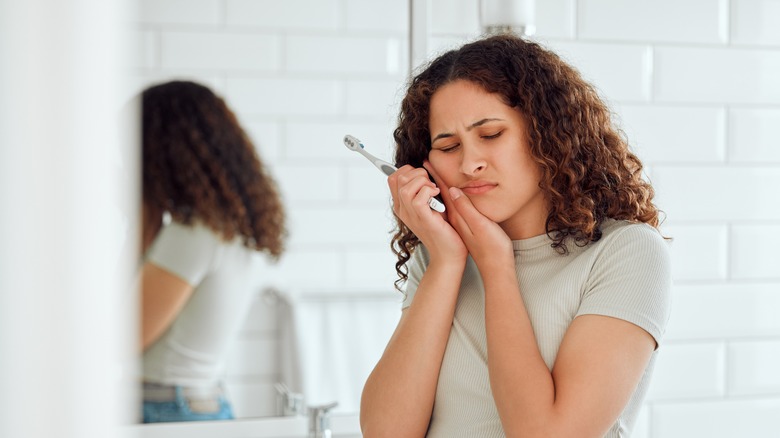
[
  {"x": 588, "y": 172},
  {"x": 199, "y": 164}
]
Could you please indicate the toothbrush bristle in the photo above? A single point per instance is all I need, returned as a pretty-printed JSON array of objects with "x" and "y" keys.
[{"x": 352, "y": 142}]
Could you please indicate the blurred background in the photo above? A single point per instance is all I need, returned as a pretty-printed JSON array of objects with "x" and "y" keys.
[{"x": 693, "y": 83}]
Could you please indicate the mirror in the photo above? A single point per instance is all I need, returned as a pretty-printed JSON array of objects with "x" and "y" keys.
[{"x": 298, "y": 82}]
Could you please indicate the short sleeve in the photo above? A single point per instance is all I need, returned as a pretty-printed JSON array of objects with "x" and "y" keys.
[
  {"x": 631, "y": 280},
  {"x": 417, "y": 265},
  {"x": 186, "y": 251}
]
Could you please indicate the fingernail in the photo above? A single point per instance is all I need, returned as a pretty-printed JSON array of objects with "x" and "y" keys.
[{"x": 455, "y": 193}]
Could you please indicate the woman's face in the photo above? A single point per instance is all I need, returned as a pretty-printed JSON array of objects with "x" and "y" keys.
[{"x": 479, "y": 144}]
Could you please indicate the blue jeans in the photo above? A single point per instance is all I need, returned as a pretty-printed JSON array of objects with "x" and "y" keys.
[{"x": 179, "y": 409}]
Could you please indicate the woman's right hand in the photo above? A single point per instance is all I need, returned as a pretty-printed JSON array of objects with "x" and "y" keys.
[{"x": 411, "y": 190}]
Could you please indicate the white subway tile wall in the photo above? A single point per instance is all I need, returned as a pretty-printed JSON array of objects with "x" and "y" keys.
[
  {"x": 754, "y": 252},
  {"x": 753, "y": 135},
  {"x": 217, "y": 51},
  {"x": 621, "y": 72},
  {"x": 699, "y": 132},
  {"x": 754, "y": 22},
  {"x": 689, "y": 370},
  {"x": 556, "y": 19},
  {"x": 724, "y": 417},
  {"x": 180, "y": 12},
  {"x": 693, "y": 83},
  {"x": 731, "y": 192},
  {"x": 302, "y": 16},
  {"x": 716, "y": 74},
  {"x": 699, "y": 252},
  {"x": 659, "y": 21},
  {"x": 755, "y": 365}
]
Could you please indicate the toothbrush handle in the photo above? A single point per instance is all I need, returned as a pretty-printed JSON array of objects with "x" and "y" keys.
[
  {"x": 436, "y": 205},
  {"x": 384, "y": 167}
]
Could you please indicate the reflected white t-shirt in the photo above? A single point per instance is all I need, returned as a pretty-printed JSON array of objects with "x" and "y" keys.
[{"x": 224, "y": 274}]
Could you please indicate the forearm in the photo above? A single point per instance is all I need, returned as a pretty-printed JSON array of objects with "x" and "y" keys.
[
  {"x": 522, "y": 385},
  {"x": 398, "y": 396},
  {"x": 163, "y": 296}
]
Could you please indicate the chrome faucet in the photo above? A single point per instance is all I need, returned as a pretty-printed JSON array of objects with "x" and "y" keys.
[
  {"x": 319, "y": 420},
  {"x": 288, "y": 403}
]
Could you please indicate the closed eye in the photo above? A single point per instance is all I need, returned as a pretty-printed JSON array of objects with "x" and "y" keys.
[
  {"x": 449, "y": 148},
  {"x": 492, "y": 136}
]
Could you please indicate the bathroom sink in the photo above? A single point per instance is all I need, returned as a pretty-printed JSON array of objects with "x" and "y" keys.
[{"x": 342, "y": 426}]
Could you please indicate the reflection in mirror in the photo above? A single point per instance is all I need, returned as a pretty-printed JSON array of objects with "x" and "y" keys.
[
  {"x": 201, "y": 172},
  {"x": 298, "y": 82}
]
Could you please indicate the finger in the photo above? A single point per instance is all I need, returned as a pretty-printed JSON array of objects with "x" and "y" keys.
[
  {"x": 404, "y": 173},
  {"x": 407, "y": 170},
  {"x": 445, "y": 194},
  {"x": 407, "y": 193},
  {"x": 392, "y": 184},
  {"x": 400, "y": 178},
  {"x": 421, "y": 200},
  {"x": 469, "y": 216},
  {"x": 409, "y": 188},
  {"x": 436, "y": 178}
]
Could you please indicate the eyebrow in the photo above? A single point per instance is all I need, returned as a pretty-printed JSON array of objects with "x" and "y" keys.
[{"x": 468, "y": 128}]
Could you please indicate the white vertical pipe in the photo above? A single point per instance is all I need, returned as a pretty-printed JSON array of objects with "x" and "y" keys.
[
  {"x": 419, "y": 23},
  {"x": 67, "y": 203}
]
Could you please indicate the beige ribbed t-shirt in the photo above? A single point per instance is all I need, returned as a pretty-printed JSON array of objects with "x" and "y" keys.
[{"x": 626, "y": 275}]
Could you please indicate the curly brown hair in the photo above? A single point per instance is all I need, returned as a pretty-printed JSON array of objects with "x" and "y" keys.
[
  {"x": 198, "y": 163},
  {"x": 588, "y": 172}
]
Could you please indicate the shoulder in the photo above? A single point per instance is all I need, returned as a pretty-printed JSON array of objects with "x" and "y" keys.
[
  {"x": 630, "y": 250},
  {"x": 196, "y": 230},
  {"x": 189, "y": 237},
  {"x": 630, "y": 277},
  {"x": 630, "y": 256},
  {"x": 614, "y": 228},
  {"x": 626, "y": 237},
  {"x": 180, "y": 245}
]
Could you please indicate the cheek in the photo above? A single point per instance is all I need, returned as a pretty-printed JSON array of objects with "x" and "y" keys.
[{"x": 444, "y": 165}]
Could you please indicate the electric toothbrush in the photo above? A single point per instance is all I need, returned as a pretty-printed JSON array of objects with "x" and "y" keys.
[{"x": 356, "y": 145}]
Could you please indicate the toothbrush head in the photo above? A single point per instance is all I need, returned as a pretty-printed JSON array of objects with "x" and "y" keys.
[
  {"x": 356, "y": 145},
  {"x": 353, "y": 143}
]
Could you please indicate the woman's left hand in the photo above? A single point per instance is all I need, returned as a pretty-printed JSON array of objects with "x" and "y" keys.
[{"x": 485, "y": 240}]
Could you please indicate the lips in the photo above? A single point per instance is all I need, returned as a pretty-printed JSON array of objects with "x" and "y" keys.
[{"x": 478, "y": 187}]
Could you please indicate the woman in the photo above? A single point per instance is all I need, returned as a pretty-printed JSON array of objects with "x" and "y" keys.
[
  {"x": 535, "y": 305},
  {"x": 199, "y": 274}
]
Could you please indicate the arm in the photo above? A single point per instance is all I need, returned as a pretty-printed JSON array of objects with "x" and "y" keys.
[
  {"x": 177, "y": 261},
  {"x": 398, "y": 396},
  {"x": 599, "y": 363},
  {"x": 163, "y": 296}
]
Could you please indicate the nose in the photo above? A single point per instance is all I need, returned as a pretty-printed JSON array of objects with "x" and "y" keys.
[{"x": 472, "y": 160}]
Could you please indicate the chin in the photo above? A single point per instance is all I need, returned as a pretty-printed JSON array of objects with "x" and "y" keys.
[{"x": 490, "y": 212}]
